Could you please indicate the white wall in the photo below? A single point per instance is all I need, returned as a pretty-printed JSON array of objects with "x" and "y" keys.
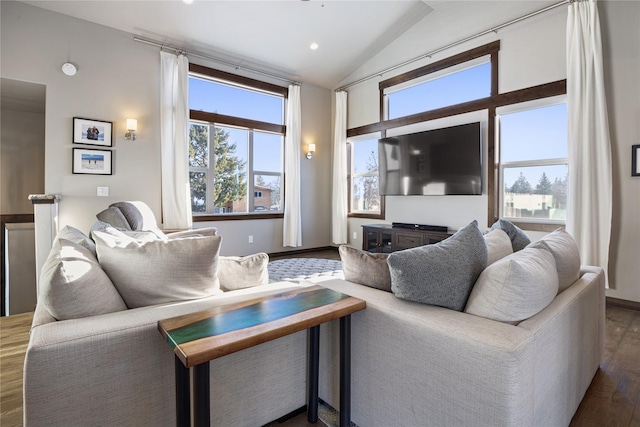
[
  {"x": 119, "y": 79},
  {"x": 621, "y": 45},
  {"x": 532, "y": 52}
]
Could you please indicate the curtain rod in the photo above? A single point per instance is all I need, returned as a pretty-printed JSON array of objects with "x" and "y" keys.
[
  {"x": 433, "y": 52},
  {"x": 211, "y": 58}
]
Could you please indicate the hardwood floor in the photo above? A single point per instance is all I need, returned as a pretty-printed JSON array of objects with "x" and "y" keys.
[{"x": 613, "y": 399}]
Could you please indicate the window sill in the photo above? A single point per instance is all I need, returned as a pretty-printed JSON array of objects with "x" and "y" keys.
[
  {"x": 236, "y": 217},
  {"x": 536, "y": 226},
  {"x": 365, "y": 215}
]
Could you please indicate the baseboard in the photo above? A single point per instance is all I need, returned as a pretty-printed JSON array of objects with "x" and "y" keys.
[
  {"x": 621, "y": 303},
  {"x": 289, "y": 254}
]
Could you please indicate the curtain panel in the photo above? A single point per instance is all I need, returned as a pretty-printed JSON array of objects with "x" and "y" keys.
[
  {"x": 590, "y": 183},
  {"x": 339, "y": 203},
  {"x": 174, "y": 128},
  {"x": 292, "y": 225}
]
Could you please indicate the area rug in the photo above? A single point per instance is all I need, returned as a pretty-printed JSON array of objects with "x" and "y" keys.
[{"x": 299, "y": 269}]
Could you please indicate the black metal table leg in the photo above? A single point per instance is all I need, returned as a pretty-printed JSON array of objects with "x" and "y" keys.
[
  {"x": 345, "y": 371},
  {"x": 314, "y": 366},
  {"x": 183, "y": 414},
  {"x": 201, "y": 391}
]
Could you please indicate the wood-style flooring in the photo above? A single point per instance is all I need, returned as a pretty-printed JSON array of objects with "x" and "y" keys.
[{"x": 613, "y": 399}]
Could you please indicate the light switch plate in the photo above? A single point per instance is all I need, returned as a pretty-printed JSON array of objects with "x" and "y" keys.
[{"x": 103, "y": 191}]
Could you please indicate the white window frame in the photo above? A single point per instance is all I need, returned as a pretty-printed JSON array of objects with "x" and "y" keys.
[
  {"x": 561, "y": 161},
  {"x": 351, "y": 146}
]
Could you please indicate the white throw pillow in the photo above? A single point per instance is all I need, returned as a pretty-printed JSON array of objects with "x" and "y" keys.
[
  {"x": 567, "y": 255},
  {"x": 237, "y": 272},
  {"x": 498, "y": 245},
  {"x": 516, "y": 287},
  {"x": 73, "y": 285},
  {"x": 160, "y": 271}
]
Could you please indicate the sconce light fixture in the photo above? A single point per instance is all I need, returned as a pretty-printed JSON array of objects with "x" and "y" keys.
[
  {"x": 132, "y": 127},
  {"x": 312, "y": 149}
]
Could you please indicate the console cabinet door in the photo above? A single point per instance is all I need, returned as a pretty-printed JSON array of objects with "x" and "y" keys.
[
  {"x": 376, "y": 240},
  {"x": 407, "y": 240}
]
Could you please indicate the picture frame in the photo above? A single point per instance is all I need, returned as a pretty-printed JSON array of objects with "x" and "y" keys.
[
  {"x": 91, "y": 161},
  {"x": 635, "y": 157},
  {"x": 92, "y": 132}
]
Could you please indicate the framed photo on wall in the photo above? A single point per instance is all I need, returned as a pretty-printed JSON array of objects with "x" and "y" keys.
[
  {"x": 635, "y": 160},
  {"x": 92, "y": 161},
  {"x": 92, "y": 132}
]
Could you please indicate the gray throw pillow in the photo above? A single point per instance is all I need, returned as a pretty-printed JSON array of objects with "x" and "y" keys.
[
  {"x": 442, "y": 274},
  {"x": 73, "y": 284},
  {"x": 114, "y": 217},
  {"x": 235, "y": 272},
  {"x": 519, "y": 239},
  {"x": 365, "y": 268},
  {"x": 160, "y": 271}
]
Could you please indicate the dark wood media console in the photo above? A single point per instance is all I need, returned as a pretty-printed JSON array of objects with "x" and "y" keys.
[{"x": 386, "y": 239}]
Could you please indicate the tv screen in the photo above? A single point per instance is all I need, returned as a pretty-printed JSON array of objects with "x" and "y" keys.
[{"x": 445, "y": 161}]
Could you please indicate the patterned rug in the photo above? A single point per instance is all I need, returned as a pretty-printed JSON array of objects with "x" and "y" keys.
[{"x": 298, "y": 269}]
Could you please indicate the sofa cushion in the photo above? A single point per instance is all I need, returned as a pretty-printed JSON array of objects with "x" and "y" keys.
[
  {"x": 114, "y": 217},
  {"x": 235, "y": 272},
  {"x": 77, "y": 236},
  {"x": 516, "y": 287},
  {"x": 519, "y": 239},
  {"x": 73, "y": 285},
  {"x": 365, "y": 268},
  {"x": 441, "y": 274},
  {"x": 160, "y": 271},
  {"x": 498, "y": 245},
  {"x": 567, "y": 256}
]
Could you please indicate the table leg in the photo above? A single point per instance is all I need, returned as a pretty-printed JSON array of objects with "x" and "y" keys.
[
  {"x": 345, "y": 371},
  {"x": 201, "y": 391},
  {"x": 314, "y": 364},
  {"x": 183, "y": 414}
]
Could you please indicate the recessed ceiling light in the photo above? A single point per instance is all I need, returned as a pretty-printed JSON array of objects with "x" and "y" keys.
[
  {"x": 188, "y": 1},
  {"x": 69, "y": 69},
  {"x": 313, "y": 46}
]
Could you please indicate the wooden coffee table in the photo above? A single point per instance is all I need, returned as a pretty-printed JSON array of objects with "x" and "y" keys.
[{"x": 200, "y": 337}]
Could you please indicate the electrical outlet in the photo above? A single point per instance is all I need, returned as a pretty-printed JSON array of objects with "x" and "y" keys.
[
  {"x": 355, "y": 235},
  {"x": 103, "y": 192},
  {"x": 250, "y": 239}
]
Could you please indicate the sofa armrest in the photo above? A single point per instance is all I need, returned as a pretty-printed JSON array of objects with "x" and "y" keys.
[
  {"x": 413, "y": 362},
  {"x": 116, "y": 369}
]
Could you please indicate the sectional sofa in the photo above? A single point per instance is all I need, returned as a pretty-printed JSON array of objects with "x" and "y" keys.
[{"x": 413, "y": 363}]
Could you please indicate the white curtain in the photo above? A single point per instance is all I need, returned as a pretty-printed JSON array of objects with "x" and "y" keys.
[
  {"x": 292, "y": 225},
  {"x": 174, "y": 128},
  {"x": 590, "y": 183},
  {"x": 339, "y": 195}
]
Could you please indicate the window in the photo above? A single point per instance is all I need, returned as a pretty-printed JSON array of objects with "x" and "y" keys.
[
  {"x": 364, "y": 191},
  {"x": 236, "y": 145},
  {"x": 534, "y": 161},
  {"x": 466, "y": 82}
]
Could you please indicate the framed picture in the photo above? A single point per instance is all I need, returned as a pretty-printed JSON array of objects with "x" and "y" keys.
[
  {"x": 92, "y": 161},
  {"x": 635, "y": 163},
  {"x": 92, "y": 132}
]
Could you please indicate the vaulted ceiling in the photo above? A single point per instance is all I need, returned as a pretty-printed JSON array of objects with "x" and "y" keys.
[{"x": 275, "y": 36}]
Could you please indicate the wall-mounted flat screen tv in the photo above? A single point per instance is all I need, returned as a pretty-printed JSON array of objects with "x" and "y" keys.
[{"x": 445, "y": 161}]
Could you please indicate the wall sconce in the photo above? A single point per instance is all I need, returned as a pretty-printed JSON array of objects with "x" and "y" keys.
[
  {"x": 312, "y": 149},
  {"x": 132, "y": 127}
]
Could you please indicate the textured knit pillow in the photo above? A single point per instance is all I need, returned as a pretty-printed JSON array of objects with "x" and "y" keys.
[
  {"x": 441, "y": 274},
  {"x": 515, "y": 287},
  {"x": 567, "y": 256},
  {"x": 237, "y": 272},
  {"x": 519, "y": 239},
  {"x": 365, "y": 268},
  {"x": 160, "y": 271},
  {"x": 114, "y": 217},
  {"x": 498, "y": 245},
  {"x": 73, "y": 285}
]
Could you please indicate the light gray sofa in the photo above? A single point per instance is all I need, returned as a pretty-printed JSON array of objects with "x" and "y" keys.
[
  {"x": 419, "y": 365},
  {"x": 412, "y": 364}
]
